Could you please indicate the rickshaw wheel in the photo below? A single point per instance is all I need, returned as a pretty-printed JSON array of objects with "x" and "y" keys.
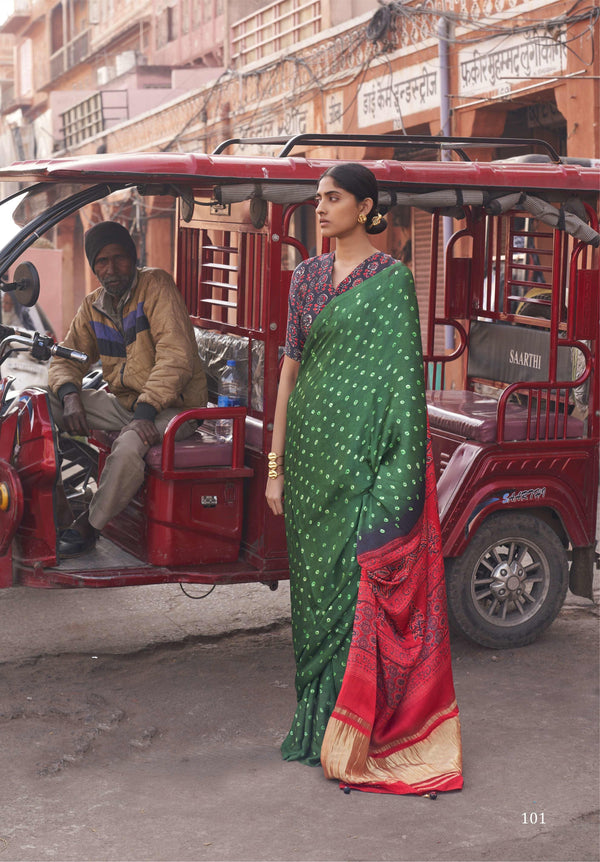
[{"x": 509, "y": 584}]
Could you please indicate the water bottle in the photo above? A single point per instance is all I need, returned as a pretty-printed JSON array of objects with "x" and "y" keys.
[{"x": 229, "y": 396}]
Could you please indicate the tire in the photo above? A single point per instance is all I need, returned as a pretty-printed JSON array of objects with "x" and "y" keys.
[{"x": 509, "y": 584}]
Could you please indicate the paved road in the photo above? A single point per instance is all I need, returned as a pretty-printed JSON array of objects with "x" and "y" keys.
[
  {"x": 126, "y": 619},
  {"x": 139, "y": 725}
]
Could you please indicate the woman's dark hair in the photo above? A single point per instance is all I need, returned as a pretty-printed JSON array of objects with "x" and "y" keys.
[{"x": 360, "y": 182}]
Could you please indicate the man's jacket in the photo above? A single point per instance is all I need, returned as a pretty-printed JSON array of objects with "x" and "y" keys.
[{"x": 151, "y": 362}]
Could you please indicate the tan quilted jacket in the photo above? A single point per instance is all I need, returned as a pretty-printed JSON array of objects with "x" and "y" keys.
[{"x": 153, "y": 359}]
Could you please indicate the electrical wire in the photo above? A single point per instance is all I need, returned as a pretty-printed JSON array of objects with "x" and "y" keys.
[{"x": 393, "y": 24}]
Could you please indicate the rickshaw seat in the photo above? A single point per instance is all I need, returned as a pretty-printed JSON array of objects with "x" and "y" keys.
[
  {"x": 474, "y": 417},
  {"x": 201, "y": 449}
]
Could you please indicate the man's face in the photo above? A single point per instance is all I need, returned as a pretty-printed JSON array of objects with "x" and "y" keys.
[{"x": 114, "y": 269}]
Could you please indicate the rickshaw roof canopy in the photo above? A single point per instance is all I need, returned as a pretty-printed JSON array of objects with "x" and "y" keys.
[{"x": 202, "y": 171}]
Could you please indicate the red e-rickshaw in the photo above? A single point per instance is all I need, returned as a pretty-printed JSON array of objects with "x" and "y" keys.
[{"x": 506, "y": 264}]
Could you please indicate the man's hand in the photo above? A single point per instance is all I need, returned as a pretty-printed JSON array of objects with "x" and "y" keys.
[
  {"x": 74, "y": 417},
  {"x": 145, "y": 429}
]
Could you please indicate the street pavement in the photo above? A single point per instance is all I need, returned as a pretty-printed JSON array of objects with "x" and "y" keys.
[
  {"x": 140, "y": 725},
  {"x": 126, "y": 619}
]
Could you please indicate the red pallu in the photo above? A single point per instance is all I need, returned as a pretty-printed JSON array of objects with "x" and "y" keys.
[{"x": 395, "y": 726}]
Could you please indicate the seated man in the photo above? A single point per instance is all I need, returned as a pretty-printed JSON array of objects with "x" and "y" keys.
[{"x": 137, "y": 325}]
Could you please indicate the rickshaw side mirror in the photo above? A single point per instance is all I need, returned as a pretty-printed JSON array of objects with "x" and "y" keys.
[{"x": 26, "y": 286}]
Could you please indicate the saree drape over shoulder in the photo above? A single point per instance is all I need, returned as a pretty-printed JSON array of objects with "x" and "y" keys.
[{"x": 376, "y": 704}]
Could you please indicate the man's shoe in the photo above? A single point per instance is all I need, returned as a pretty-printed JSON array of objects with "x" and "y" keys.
[{"x": 72, "y": 542}]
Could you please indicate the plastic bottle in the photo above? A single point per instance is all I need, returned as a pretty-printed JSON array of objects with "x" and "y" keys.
[{"x": 229, "y": 396}]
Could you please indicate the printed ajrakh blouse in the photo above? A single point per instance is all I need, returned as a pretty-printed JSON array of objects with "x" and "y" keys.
[{"x": 311, "y": 289}]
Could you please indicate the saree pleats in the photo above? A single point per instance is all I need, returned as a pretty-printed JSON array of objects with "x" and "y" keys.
[{"x": 375, "y": 695}]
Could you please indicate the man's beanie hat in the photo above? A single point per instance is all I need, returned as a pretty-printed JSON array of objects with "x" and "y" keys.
[{"x": 106, "y": 233}]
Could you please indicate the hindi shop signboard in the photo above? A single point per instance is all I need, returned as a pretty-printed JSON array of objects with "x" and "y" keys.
[
  {"x": 292, "y": 121},
  {"x": 398, "y": 94},
  {"x": 500, "y": 63}
]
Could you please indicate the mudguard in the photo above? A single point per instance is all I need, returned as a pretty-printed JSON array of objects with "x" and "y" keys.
[{"x": 481, "y": 479}]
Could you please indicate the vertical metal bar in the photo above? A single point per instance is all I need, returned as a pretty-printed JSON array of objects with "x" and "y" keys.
[
  {"x": 556, "y": 297},
  {"x": 435, "y": 231},
  {"x": 564, "y": 270},
  {"x": 260, "y": 294},
  {"x": 529, "y": 408},
  {"x": 564, "y": 414},
  {"x": 498, "y": 294},
  {"x": 207, "y": 256},
  {"x": 274, "y": 317},
  {"x": 182, "y": 268},
  {"x": 244, "y": 251}
]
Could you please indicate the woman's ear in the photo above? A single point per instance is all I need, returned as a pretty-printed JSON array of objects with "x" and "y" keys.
[{"x": 366, "y": 206}]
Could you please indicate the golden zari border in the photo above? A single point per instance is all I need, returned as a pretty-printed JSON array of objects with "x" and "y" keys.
[{"x": 425, "y": 764}]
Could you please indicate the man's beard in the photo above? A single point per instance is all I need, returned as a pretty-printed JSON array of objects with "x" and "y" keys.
[{"x": 116, "y": 288}]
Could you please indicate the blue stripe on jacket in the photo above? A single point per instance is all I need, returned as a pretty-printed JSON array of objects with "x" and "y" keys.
[
  {"x": 135, "y": 322},
  {"x": 110, "y": 341}
]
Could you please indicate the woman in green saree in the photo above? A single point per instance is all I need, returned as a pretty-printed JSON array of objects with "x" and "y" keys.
[{"x": 376, "y": 703}]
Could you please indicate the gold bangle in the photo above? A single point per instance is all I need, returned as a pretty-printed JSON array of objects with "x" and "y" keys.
[{"x": 274, "y": 465}]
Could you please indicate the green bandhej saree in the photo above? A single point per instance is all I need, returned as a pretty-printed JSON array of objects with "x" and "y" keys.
[{"x": 354, "y": 476}]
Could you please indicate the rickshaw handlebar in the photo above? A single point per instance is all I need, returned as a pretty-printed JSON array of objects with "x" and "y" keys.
[
  {"x": 40, "y": 346},
  {"x": 66, "y": 353}
]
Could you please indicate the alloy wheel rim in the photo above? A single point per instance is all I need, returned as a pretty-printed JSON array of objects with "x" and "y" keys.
[{"x": 510, "y": 582}]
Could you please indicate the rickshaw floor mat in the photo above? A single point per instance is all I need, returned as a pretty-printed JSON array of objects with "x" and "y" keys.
[{"x": 105, "y": 555}]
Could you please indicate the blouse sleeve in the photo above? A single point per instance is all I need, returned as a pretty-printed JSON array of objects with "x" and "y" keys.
[{"x": 293, "y": 339}]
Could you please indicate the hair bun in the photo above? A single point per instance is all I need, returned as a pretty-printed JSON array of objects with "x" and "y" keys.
[{"x": 378, "y": 226}]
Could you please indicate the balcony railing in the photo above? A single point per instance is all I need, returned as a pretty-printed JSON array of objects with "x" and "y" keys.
[
  {"x": 11, "y": 100},
  {"x": 70, "y": 55},
  {"x": 274, "y": 28},
  {"x": 93, "y": 116}
]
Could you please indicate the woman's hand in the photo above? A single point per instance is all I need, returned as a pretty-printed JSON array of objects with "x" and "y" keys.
[
  {"x": 287, "y": 382},
  {"x": 274, "y": 495}
]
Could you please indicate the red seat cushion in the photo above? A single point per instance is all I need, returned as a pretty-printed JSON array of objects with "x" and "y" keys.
[
  {"x": 202, "y": 449},
  {"x": 474, "y": 417}
]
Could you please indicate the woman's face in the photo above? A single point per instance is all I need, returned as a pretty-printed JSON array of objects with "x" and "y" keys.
[{"x": 338, "y": 210}]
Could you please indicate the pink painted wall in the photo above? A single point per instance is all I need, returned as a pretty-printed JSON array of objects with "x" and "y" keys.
[{"x": 48, "y": 262}]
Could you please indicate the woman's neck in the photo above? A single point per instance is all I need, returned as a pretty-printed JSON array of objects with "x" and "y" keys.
[
  {"x": 352, "y": 250},
  {"x": 348, "y": 255}
]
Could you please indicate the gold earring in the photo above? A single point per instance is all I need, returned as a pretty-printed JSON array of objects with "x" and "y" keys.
[
  {"x": 376, "y": 219},
  {"x": 362, "y": 219}
]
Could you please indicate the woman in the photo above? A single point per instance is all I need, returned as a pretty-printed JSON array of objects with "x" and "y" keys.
[{"x": 376, "y": 704}]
